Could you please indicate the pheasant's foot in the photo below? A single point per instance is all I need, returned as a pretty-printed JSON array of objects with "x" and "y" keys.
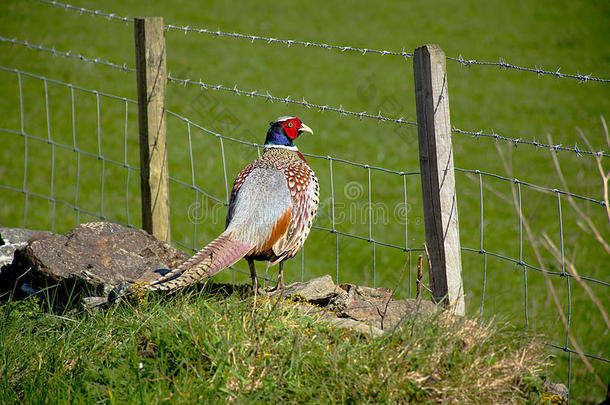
[
  {"x": 280, "y": 280},
  {"x": 255, "y": 287},
  {"x": 277, "y": 290}
]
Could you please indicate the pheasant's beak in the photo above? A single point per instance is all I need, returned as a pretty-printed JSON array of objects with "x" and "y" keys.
[{"x": 305, "y": 128}]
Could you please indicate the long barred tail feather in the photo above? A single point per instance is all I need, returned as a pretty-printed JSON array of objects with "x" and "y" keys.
[{"x": 217, "y": 255}]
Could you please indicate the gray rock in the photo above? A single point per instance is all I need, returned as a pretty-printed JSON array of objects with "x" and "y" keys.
[
  {"x": 363, "y": 291},
  {"x": 7, "y": 252},
  {"x": 99, "y": 255},
  {"x": 336, "y": 322},
  {"x": 94, "y": 302},
  {"x": 12, "y": 239},
  {"x": 347, "y": 323},
  {"x": 317, "y": 290},
  {"x": 99, "y": 261},
  {"x": 556, "y": 388},
  {"x": 340, "y": 302},
  {"x": 356, "y": 307},
  {"x": 387, "y": 314},
  {"x": 353, "y": 293},
  {"x": 13, "y": 236}
]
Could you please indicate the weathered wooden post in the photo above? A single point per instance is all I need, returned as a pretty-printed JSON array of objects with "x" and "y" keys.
[
  {"x": 437, "y": 176},
  {"x": 152, "y": 77}
]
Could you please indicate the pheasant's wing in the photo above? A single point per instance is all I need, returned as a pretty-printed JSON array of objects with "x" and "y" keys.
[
  {"x": 261, "y": 208},
  {"x": 260, "y": 211},
  {"x": 304, "y": 191},
  {"x": 241, "y": 177}
]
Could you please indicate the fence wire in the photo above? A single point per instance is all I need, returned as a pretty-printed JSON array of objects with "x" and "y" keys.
[
  {"x": 520, "y": 261},
  {"x": 288, "y": 100},
  {"x": 568, "y": 345},
  {"x": 502, "y": 64},
  {"x": 68, "y": 54},
  {"x": 125, "y": 165},
  {"x": 369, "y": 238},
  {"x": 75, "y": 205}
]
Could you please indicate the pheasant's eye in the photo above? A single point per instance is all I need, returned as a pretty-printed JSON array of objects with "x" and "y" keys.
[{"x": 290, "y": 124}]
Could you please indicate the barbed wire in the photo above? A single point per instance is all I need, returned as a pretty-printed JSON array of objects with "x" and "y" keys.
[
  {"x": 256, "y": 145},
  {"x": 505, "y": 65},
  {"x": 303, "y": 102},
  {"x": 186, "y": 29},
  {"x": 399, "y": 121},
  {"x": 533, "y": 142},
  {"x": 288, "y": 100},
  {"x": 289, "y": 42},
  {"x": 534, "y": 186},
  {"x": 68, "y": 54},
  {"x": 58, "y": 82},
  {"x": 82, "y": 10},
  {"x": 267, "y": 96}
]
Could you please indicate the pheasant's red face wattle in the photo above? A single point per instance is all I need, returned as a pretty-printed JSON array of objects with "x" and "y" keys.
[
  {"x": 291, "y": 127},
  {"x": 284, "y": 130}
]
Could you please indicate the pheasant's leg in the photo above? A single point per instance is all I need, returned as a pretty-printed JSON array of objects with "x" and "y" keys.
[
  {"x": 253, "y": 275},
  {"x": 280, "y": 277}
]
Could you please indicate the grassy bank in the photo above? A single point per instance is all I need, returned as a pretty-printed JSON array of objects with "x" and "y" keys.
[{"x": 202, "y": 348}]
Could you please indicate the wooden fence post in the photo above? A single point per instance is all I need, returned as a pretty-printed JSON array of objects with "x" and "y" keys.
[
  {"x": 152, "y": 77},
  {"x": 437, "y": 175}
]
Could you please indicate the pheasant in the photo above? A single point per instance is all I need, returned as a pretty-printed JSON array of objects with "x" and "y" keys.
[{"x": 273, "y": 203}]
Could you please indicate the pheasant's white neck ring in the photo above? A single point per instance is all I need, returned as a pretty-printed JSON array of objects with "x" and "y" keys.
[{"x": 294, "y": 148}]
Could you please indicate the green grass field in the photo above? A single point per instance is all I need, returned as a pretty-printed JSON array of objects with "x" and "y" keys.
[{"x": 550, "y": 35}]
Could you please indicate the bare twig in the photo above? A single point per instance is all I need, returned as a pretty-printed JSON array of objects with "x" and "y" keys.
[
  {"x": 500, "y": 195},
  {"x": 581, "y": 214},
  {"x": 551, "y": 247},
  {"x": 385, "y": 310},
  {"x": 507, "y": 162},
  {"x": 586, "y": 218},
  {"x": 429, "y": 265},
  {"x": 598, "y": 159},
  {"x": 420, "y": 274}
]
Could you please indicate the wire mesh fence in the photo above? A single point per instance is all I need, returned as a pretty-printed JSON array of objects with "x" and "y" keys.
[
  {"x": 520, "y": 242},
  {"x": 34, "y": 127}
]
